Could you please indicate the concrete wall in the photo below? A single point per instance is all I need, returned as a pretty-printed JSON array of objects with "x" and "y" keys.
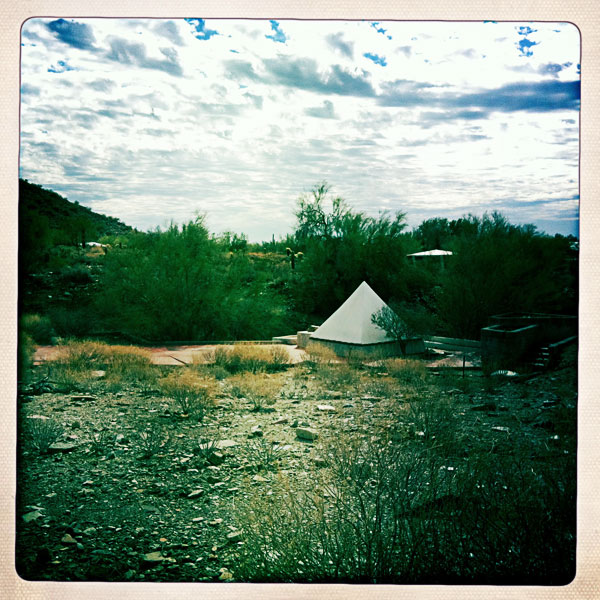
[
  {"x": 550, "y": 328},
  {"x": 508, "y": 348},
  {"x": 373, "y": 351}
]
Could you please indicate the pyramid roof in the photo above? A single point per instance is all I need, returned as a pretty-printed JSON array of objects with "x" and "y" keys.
[{"x": 351, "y": 322}]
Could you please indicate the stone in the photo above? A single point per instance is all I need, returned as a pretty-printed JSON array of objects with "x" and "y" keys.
[
  {"x": 259, "y": 478},
  {"x": 195, "y": 493},
  {"x": 281, "y": 421},
  {"x": 326, "y": 408},
  {"x": 32, "y": 516},
  {"x": 256, "y": 431},
  {"x": 234, "y": 536},
  {"x": 215, "y": 522},
  {"x": 62, "y": 447},
  {"x": 216, "y": 458},
  {"x": 83, "y": 398},
  {"x": 307, "y": 433},
  {"x": 225, "y": 575},
  {"x": 68, "y": 539},
  {"x": 156, "y": 557}
]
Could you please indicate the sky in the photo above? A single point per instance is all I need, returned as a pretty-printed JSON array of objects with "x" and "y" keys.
[{"x": 155, "y": 121}]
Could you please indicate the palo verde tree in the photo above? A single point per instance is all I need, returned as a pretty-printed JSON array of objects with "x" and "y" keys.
[{"x": 342, "y": 247}]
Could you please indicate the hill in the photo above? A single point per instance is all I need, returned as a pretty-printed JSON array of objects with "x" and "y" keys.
[{"x": 63, "y": 218}]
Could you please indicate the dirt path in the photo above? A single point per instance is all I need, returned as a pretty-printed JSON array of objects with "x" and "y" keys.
[{"x": 170, "y": 355}]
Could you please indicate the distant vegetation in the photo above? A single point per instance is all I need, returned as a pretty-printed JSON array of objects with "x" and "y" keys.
[{"x": 184, "y": 283}]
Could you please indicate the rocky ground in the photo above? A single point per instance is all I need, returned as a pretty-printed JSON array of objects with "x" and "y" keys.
[{"x": 136, "y": 490}]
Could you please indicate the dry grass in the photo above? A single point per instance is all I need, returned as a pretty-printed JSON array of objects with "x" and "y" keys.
[
  {"x": 77, "y": 360},
  {"x": 253, "y": 359},
  {"x": 405, "y": 370},
  {"x": 260, "y": 389},
  {"x": 193, "y": 392}
]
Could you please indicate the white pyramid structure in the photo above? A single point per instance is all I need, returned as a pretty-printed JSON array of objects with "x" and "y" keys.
[{"x": 351, "y": 322}]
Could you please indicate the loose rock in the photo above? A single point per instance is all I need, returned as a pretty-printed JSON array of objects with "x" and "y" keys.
[{"x": 307, "y": 433}]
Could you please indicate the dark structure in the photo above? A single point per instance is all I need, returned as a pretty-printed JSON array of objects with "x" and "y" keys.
[{"x": 513, "y": 340}]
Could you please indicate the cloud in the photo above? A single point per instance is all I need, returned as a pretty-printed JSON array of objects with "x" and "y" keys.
[
  {"x": 78, "y": 35},
  {"x": 169, "y": 30},
  {"x": 30, "y": 90},
  {"x": 199, "y": 26},
  {"x": 278, "y": 35},
  {"x": 62, "y": 67},
  {"x": 553, "y": 68},
  {"x": 240, "y": 69},
  {"x": 326, "y": 111},
  {"x": 378, "y": 60},
  {"x": 302, "y": 73},
  {"x": 134, "y": 53},
  {"x": 256, "y": 100},
  {"x": 541, "y": 96},
  {"x": 102, "y": 85},
  {"x": 406, "y": 50},
  {"x": 403, "y": 92},
  {"x": 336, "y": 42}
]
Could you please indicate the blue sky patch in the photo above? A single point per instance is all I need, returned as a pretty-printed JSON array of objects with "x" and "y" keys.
[
  {"x": 525, "y": 46},
  {"x": 202, "y": 33},
  {"x": 278, "y": 35},
  {"x": 378, "y": 60}
]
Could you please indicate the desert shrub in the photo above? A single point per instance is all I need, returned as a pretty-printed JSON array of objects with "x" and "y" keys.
[
  {"x": 68, "y": 379},
  {"x": 77, "y": 321},
  {"x": 77, "y": 274},
  {"x": 320, "y": 355},
  {"x": 43, "y": 432},
  {"x": 192, "y": 393},
  {"x": 123, "y": 364},
  {"x": 406, "y": 371},
  {"x": 395, "y": 512},
  {"x": 38, "y": 327},
  {"x": 259, "y": 389},
  {"x": 338, "y": 375},
  {"x": 250, "y": 358}
]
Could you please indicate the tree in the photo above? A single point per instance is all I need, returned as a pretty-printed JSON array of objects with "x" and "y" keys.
[{"x": 341, "y": 248}]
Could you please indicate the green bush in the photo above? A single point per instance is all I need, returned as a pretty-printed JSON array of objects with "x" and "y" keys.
[
  {"x": 25, "y": 352},
  {"x": 38, "y": 328}
]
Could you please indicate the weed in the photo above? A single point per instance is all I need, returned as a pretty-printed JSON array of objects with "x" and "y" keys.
[
  {"x": 151, "y": 441},
  {"x": 102, "y": 442},
  {"x": 43, "y": 432},
  {"x": 266, "y": 455}
]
